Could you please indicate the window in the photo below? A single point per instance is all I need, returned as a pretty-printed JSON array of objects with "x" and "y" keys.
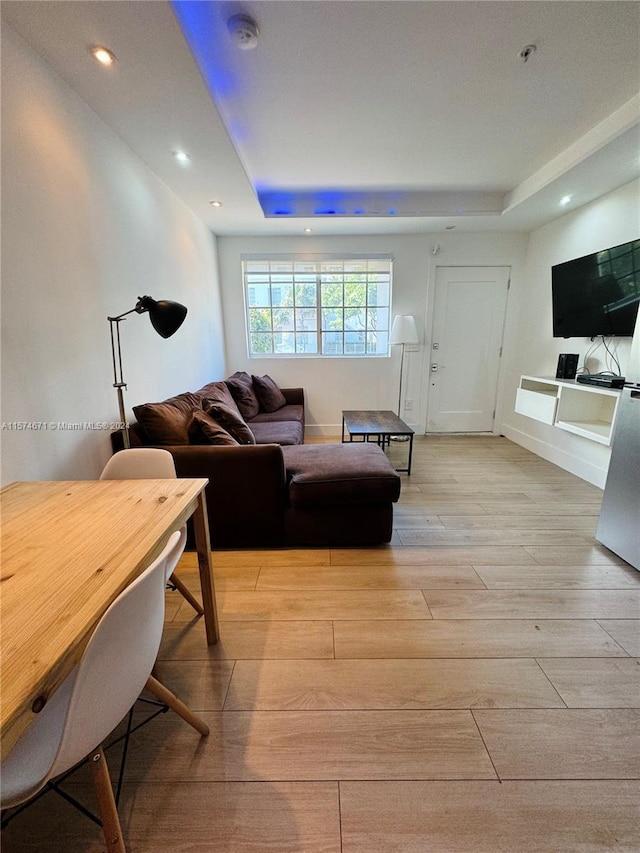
[{"x": 321, "y": 307}]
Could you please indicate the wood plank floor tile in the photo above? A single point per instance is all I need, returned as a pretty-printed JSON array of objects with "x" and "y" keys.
[
  {"x": 549, "y": 509},
  {"x": 434, "y": 539},
  {"x": 568, "y": 744},
  {"x": 236, "y": 817},
  {"x": 423, "y": 522},
  {"x": 201, "y": 684},
  {"x": 259, "y": 640},
  {"x": 423, "y": 505},
  {"x": 474, "y": 638},
  {"x": 389, "y": 684},
  {"x": 559, "y": 577},
  {"x": 534, "y": 604},
  {"x": 312, "y": 745},
  {"x": 488, "y": 817},
  {"x": 626, "y": 632},
  {"x": 573, "y": 555},
  {"x": 271, "y": 557},
  {"x": 369, "y": 577},
  {"x": 314, "y": 604},
  {"x": 491, "y": 555},
  {"x": 596, "y": 683},
  {"x": 238, "y": 576},
  {"x": 585, "y": 523}
]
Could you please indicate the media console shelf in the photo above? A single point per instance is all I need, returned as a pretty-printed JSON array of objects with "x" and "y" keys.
[{"x": 585, "y": 410}]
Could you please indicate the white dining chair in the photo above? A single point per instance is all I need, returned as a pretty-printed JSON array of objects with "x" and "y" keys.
[
  {"x": 115, "y": 667},
  {"x": 151, "y": 463}
]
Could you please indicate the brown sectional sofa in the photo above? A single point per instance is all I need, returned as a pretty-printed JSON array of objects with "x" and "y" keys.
[{"x": 278, "y": 491}]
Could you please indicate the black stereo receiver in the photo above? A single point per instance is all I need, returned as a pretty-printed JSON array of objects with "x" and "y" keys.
[{"x": 602, "y": 381}]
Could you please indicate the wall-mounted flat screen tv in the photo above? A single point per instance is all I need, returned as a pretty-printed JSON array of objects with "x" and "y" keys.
[{"x": 597, "y": 294}]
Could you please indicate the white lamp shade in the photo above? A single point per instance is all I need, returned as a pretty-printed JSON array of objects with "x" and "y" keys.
[{"x": 403, "y": 330}]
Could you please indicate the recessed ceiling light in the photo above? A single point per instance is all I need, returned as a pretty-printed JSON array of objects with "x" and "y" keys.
[
  {"x": 181, "y": 157},
  {"x": 308, "y": 230},
  {"x": 565, "y": 200},
  {"x": 215, "y": 203},
  {"x": 102, "y": 55}
]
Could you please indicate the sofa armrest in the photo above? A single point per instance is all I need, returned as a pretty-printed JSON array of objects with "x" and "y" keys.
[
  {"x": 293, "y": 396},
  {"x": 246, "y": 493}
]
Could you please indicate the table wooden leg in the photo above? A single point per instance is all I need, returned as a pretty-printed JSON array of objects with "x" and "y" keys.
[{"x": 203, "y": 548}]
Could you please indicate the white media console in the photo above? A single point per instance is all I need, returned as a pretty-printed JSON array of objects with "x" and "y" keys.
[{"x": 586, "y": 410}]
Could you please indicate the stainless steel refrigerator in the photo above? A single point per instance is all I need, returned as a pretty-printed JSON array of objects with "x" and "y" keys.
[{"x": 619, "y": 523}]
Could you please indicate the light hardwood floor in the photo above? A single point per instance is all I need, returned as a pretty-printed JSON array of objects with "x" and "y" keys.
[{"x": 474, "y": 686}]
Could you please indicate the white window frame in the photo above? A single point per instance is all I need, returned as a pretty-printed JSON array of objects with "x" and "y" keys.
[{"x": 271, "y": 272}]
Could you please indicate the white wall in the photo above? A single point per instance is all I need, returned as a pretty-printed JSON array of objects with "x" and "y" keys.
[
  {"x": 608, "y": 221},
  {"x": 86, "y": 229},
  {"x": 361, "y": 383}
]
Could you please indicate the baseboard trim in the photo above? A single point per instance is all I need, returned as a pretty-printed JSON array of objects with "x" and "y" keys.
[{"x": 574, "y": 464}]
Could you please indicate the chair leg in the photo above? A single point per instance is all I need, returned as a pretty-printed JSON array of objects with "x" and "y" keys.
[
  {"x": 165, "y": 695},
  {"x": 179, "y": 585},
  {"x": 106, "y": 803}
]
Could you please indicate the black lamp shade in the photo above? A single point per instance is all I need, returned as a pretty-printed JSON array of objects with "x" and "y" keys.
[{"x": 166, "y": 316}]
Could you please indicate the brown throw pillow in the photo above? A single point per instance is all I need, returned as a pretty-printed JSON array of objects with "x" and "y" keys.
[
  {"x": 269, "y": 395},
  {"x": 167, "y": 423},
  {"x": 244, "y": 397},
  {"x": 230, "y": 420},
  {"x": 203, "y": 429},
  {"x": 241, "y": 376},
  {"x": 219, "y": 392}
]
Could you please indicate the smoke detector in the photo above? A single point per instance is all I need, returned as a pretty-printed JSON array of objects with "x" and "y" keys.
[
  {"x": 244, "y": 31},
  {"x": 527, "y": 52}
]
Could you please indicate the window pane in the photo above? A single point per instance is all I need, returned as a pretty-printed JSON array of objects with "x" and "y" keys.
[
  {"x": 261, "y": 343},
  {"x": 378, "y": 293},
  {"x": 283, "y": 342},
  {"x": 354, "y": 343},
  {"x": 355, "y": 293},
  {"x": 306, "y": 342},
  {"x": 260, "y": 320},
  {"x": 332, "y": 319},
  {"x": 332, "y": 293},
  {"x": 378, "y": 318},
  {"x": 377, "y": 343},
  {"x": 306, "y": 319},
  {"x": 282, "y": 295},
  {"x": 283, "y": 319},
  {"x": 258, "y": 295},
  {"x": 354, "y": 318},
  {"x": 332, "y": 343},
  {"x": 306, "y": 293}
]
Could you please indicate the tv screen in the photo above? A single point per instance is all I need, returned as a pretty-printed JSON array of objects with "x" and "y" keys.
[{"x": 597, "y": 294}]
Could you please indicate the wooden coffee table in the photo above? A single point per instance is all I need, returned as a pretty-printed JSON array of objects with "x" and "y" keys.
[{"x": 381, "y": 425}]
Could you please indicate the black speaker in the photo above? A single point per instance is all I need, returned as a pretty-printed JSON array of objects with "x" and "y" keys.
[{"x": 567, "y": 366}]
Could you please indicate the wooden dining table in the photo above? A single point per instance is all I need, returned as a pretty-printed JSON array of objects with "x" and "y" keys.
[{"x": 69, "y": 548}]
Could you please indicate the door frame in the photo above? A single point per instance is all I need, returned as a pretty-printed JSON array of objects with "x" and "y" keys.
[{"x": 435, "y": 262}]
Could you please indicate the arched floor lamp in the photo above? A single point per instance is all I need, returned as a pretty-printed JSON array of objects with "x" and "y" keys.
[
  {"x": 166, "y": 318},
  {"x": 403, "y": 331}
]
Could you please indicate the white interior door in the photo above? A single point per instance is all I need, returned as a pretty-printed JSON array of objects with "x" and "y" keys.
[{"x": 466, "y": 346}]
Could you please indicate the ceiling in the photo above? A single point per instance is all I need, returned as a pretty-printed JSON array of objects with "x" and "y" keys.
[{"x": 358, "y": 117}]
